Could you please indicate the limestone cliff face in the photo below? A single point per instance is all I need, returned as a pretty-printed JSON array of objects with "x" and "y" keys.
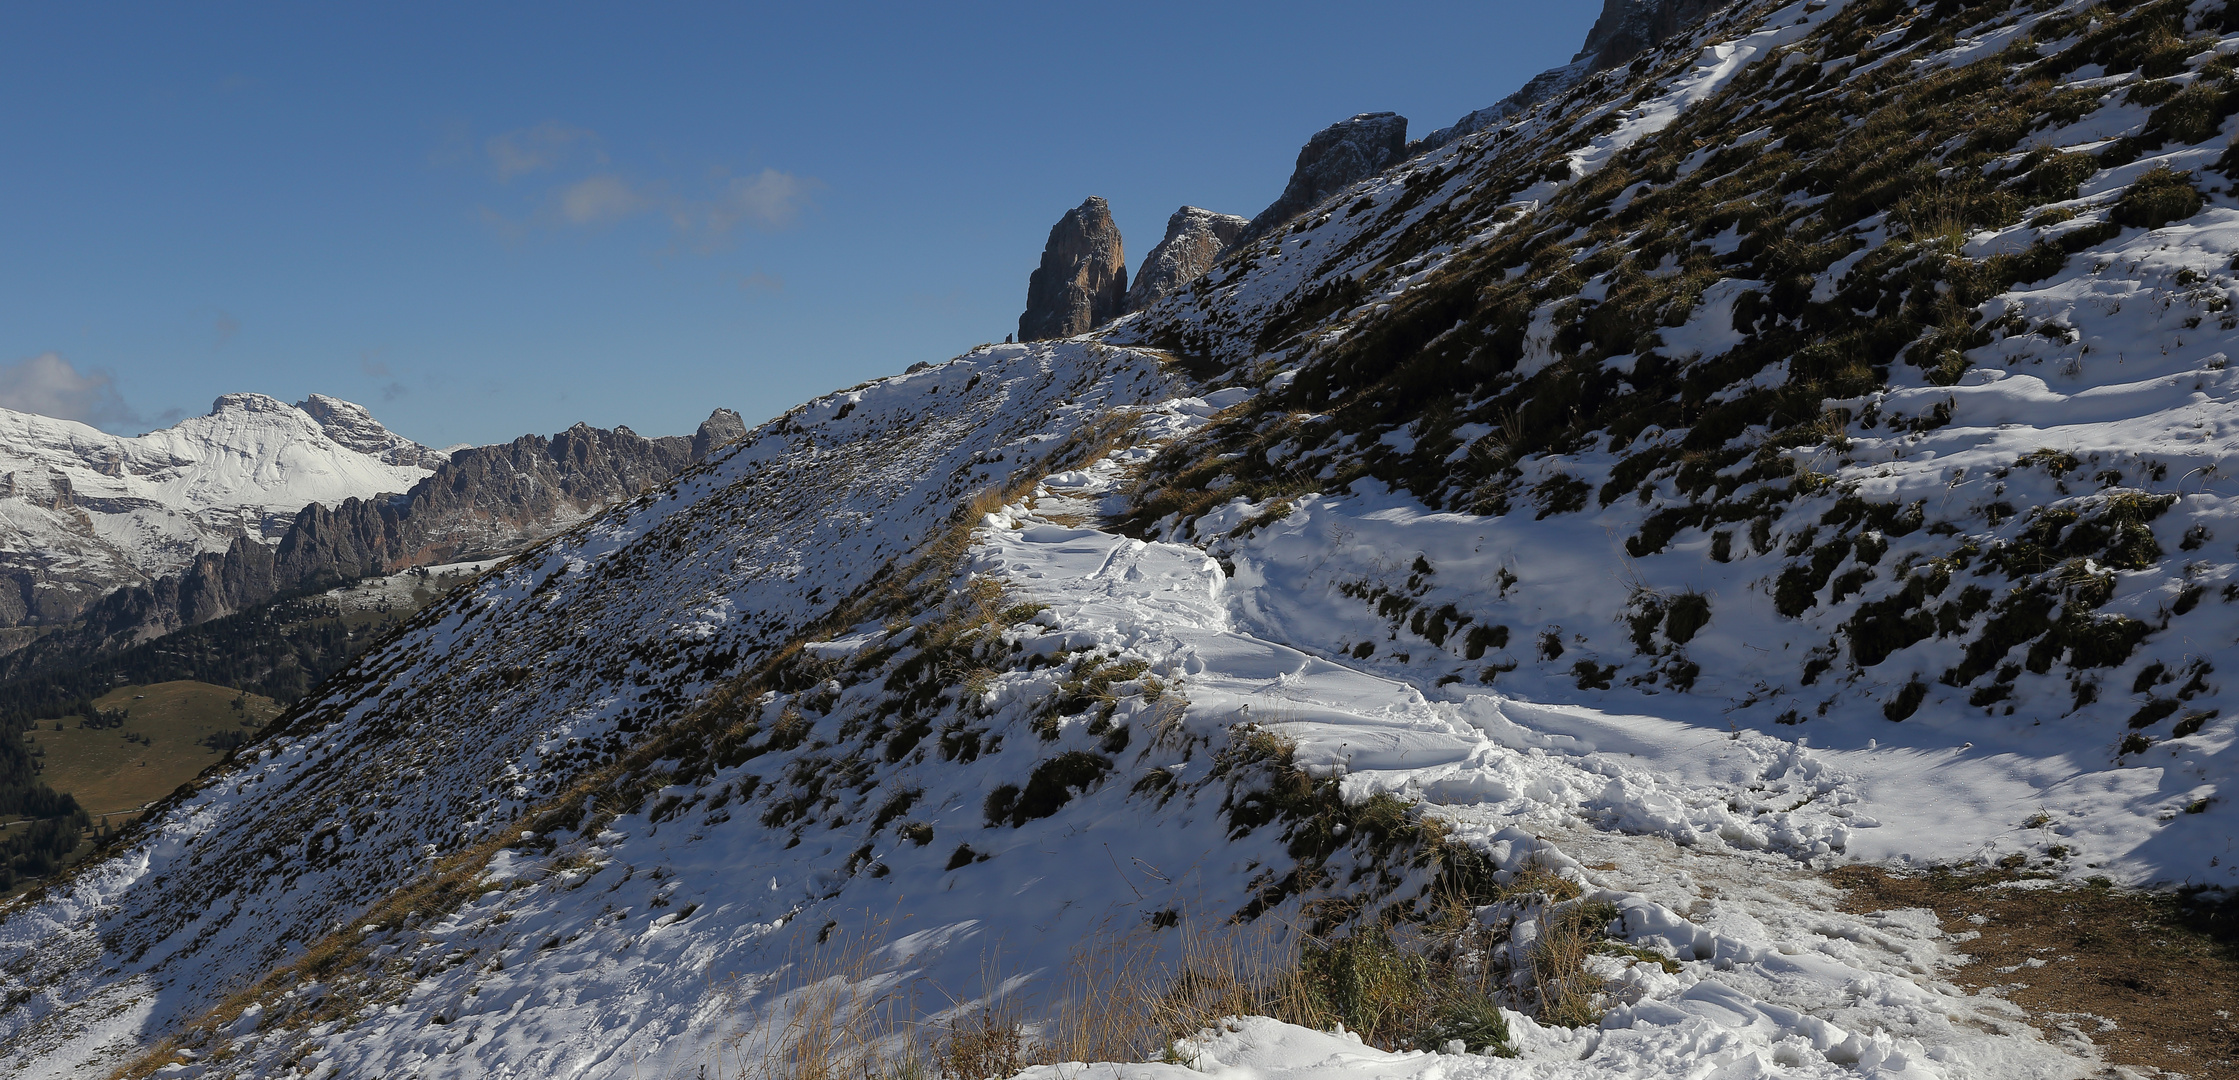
[
  {"x": 1335, "y": 157},
  {"x": 721, "y": 427},
  {"x": 1194, "y": 240},
  {"x": 1627, "y": 28},
  {"x": 350, "y": 424},
  {"x": 1082, "y": 282}
]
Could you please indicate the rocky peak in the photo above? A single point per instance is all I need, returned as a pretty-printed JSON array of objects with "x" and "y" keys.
[
  {"x": 1335, "y": 157},
  {"x": 1625, "y": 29},
  {"x": 1082, "y": 282},
  {"x": 352, "y": 425},
  {"x": 251, "y": 403},
  {"x": 721, "y": 427},
  {"x": 1194, "y": 239}
]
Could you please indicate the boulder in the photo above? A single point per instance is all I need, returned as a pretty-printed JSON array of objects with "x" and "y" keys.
[
  {"x": 1082, "y": 282},
  {"x": 1331, "y": 161},
  {"x": 1194, "y": 239}
]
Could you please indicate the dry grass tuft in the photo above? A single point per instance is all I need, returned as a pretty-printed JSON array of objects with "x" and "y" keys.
[{"x": 2164, "y": 967}]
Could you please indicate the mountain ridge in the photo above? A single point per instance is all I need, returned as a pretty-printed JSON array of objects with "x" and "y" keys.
[
  {"x": 479, "y": 502},
  {"x": 88, "y": 510}
]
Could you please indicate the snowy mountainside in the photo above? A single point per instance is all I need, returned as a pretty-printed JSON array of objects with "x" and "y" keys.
[
  {"x": 1916, "y": 434},
  {"x": 1003, "y": 778},
  {"x": 477, "y": 714},
  {"x": 85, "y": 511},
  {"x": 1798, "y": 447}
]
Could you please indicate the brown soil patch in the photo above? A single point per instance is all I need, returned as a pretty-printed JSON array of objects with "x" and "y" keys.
[{"x": 2163, "y": 968}]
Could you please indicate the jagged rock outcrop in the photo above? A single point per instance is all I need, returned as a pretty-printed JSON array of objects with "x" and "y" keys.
[
  {"x": 483, "y": 501},
  {"x": 1625, "y": 29},
  {"x": 1082, "y": 282},
  {"x": 352, "y": 425},
  {"x": 1194, "y": 239},
  {"x": 721, "y": 427},
  {"x": 1628, "y": 28},
  {"x": 1335, "y": 157}
]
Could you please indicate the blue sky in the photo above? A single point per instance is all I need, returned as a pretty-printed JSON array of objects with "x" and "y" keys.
[{"x": 485, "y": 220}]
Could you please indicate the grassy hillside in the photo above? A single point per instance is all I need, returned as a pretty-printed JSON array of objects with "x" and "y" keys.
[{"x": 148, "y": 741}]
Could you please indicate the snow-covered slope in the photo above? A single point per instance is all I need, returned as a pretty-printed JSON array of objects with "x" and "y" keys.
[
  {"x": 83, "y": 511},
  {"x": 876, "y": 789},
  {"x": 1791, "y": 450}
]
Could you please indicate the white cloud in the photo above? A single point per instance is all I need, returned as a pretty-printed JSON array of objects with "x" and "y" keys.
[
  {"x": 597, "y": 200},
  {"x": 46, "y": 384},
  {"x": 767, "y": 200},
  {"x": 535, "y": 149},
  {"x": 587, "y": 192}
]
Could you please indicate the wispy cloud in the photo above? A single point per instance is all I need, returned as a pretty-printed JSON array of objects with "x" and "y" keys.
[
  {"x": 767, "y": 201},
  {"x": 374, "y": 368},
  {"x": 227, "y": 326},
  {"x": 597, "y": 200},
  {"x": 586, "y": 190},
  {"x": 536, "y": 149},
  {"x": 48, "y": 385},
  {"x": 761, "y": 282}
]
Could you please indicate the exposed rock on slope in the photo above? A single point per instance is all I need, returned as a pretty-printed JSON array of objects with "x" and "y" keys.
[
  {"x": 83, "y": 511},
  {"x": 1628, "y": 28},
  {"x": 721, "y": 428},
  {"x": 352, "y": 426},
  {"x": 485, "y": 500},
  {"x": 1082, "y": 282},
  {"x": 1194, "y": 241},
  {"x": 1332, "y": 160},
  {"x": 1625, "y": 29}
]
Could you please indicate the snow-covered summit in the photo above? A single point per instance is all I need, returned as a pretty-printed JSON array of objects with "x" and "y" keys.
[
  {"x": 82, "y": 511},
  {"x": 352, "y": 425}
]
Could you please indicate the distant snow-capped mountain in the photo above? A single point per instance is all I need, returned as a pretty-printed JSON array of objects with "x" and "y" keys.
[{"x": 82, "y": 511}]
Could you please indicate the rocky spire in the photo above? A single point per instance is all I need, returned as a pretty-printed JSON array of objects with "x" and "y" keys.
[
  {"x": 1335, "y": 157},
  {"x": 721, "y": 427},
  {"x": 1082, "y": 282},
  {"x": 1194, "y": 239}
]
